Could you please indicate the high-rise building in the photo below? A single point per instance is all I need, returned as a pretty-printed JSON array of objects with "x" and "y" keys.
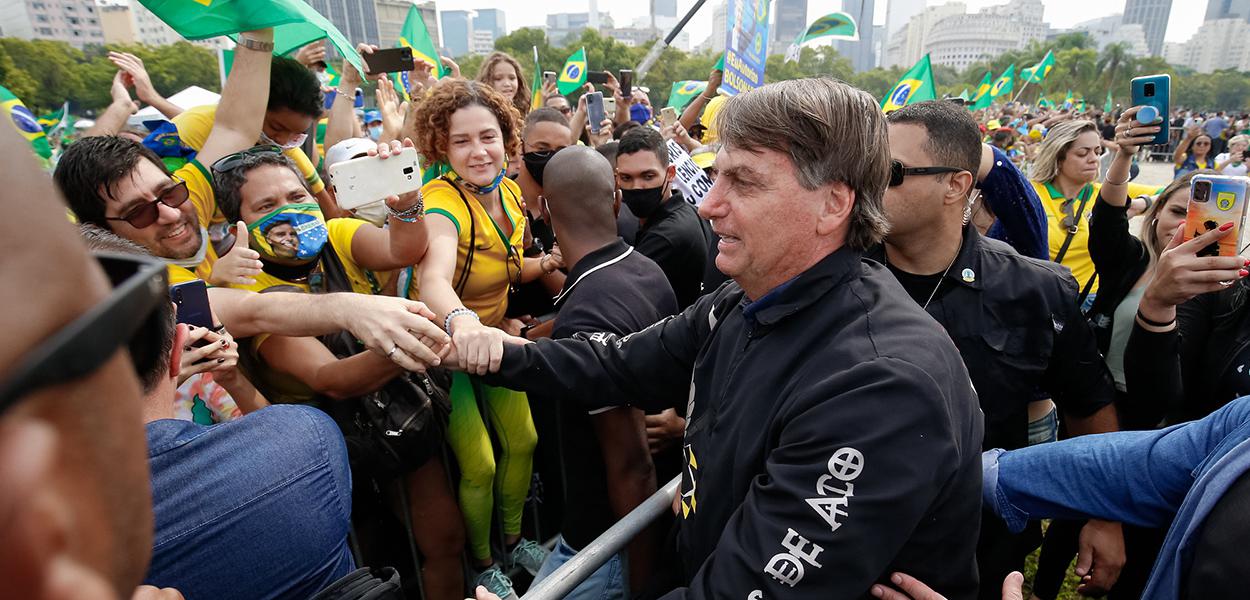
[
  {"x": 789, "y": 22},
  {"x": 76, "y": 22},
  {"x": 1218, "y": 44},
  {"x": 860, "y": 52},
  {"x": 898, "y": 13},
  {"x": 720, "y": 26},
  {"x": 562, "y": 26},
  {"x": 457, "y": 25},
  {"x": 962, "y": 39},
  {"x": 664, "y": 8},
  {"x": 1152, "y": 15},
  {"x": 908, "y": 44},
  {"x": 393, "y": 13},
  {"x": 1228, "y": 9},
  {"x": 124, "y": 22},
  {"x": 1110, "y": 29},
  {"x": 356, "y": 19},
  {"x": 492, "y": 20}
]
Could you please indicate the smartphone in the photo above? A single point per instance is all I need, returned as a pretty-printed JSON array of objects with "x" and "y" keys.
[
  {"x": 549, "y": 77},
  {"x": 191, "y": 300},
  {"x": 1215, "y": 200},
  {"x": 668, "y": 116},
  {"x": 367, "y": 179},
  {"x": 597, "y": 77},
  {"x": 1156, "y": 91},
  {"x": 609, "y": 105},
  {"x": 594, "y": 111},
  {"x": 627, "y": 82},
  {"x": 390, "y": 60}
]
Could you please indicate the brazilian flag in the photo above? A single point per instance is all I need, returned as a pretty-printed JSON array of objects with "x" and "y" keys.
[
  {"x": 573, "y": 75},
  {"x": 1038, "y": 72},
  {"x": 915, "y": 86},
  {"x": 25, "y": 122},
  {"x": 536, "y": 84},
  {"x": 683, "y": 92},
  {"x": 52, "y": 120},
  {"x": 1005, "y": 82},
  {"x": 981, "y": 98},
  {"x": 415, "y": 35}
]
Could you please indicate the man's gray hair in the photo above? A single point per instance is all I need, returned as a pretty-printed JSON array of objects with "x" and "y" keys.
[{"x": 833, "y": 132}]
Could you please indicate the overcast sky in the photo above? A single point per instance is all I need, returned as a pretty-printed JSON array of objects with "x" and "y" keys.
[{"x": 1185, "y": 19}]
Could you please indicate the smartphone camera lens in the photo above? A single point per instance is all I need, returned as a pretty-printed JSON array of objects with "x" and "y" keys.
[
  {"x": 1202, "y": 191},
  {"x": 1150, "y": 89},
  {"x": 407, "y": 170}
]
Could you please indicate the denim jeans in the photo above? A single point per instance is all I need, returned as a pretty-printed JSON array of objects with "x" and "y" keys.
[
  {"x": 258, "y": 507},
  {"x": 1045, "y": 429},
  {"x": 607, "y": 583}
]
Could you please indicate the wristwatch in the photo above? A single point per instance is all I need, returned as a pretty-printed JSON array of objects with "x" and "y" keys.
[{"x": 256, "y": 45}]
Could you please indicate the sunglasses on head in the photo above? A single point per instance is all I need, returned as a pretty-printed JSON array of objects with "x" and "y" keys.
[
  {"x": 147, "y": 213},
  {"x": 898, "y": 172},
  {"x": 127, "y": 318},
  {"x": 231, "y": 162}
]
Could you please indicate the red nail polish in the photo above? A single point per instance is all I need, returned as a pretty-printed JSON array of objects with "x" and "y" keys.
[
  {"x": 1243, "y": 272},
  {"x": 1226, "y": 226}
]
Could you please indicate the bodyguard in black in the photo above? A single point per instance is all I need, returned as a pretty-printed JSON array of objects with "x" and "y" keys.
[
  {"x": 670, "y": 231},
  {"x": 833, "y": 436},
  {"x": 1015, "y": 320}
]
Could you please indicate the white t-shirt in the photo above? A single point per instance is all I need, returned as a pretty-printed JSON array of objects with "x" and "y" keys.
[{"x": 1235, "y": 169}]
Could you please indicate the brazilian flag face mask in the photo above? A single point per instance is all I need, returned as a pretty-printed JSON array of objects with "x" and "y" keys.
[{"x": 290, "y": 235}]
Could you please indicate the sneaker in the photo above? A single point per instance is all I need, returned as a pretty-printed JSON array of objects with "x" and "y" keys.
[
  {"x": 495, "y": 582},
  {"x": 529, "y": 555}
]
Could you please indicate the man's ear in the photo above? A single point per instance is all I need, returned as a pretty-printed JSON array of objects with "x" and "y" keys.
[
  {"x": 37, "y": 536},
  {"x": 835, "y": 209},
  {"x": 670, "y": 173},
  {"x": 181, "y": 333},
  {"x": 958, "y": 188},
  {"x": 616, "y": 202}
]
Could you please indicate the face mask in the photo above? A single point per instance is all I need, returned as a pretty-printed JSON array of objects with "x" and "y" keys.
[
  {"x": 479, "y": 189},
  {"x": 375, "y": 133},
  {"x": 536, "y": 163},
  {"x": 374, "y": 213},
  {"x": 290, "y": 235},
  {"x": 640, "y": 113},
  {"x": 295, "y": 142},
  {"x": 645, "y": 201}
]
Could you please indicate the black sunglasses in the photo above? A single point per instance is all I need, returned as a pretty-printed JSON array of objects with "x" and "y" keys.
[
  {"x": 898, "y": 172},
  {"x": 231, "y": 162},
  {"x": 147, "y": 213},
  {"x": 128, "y": 317}
]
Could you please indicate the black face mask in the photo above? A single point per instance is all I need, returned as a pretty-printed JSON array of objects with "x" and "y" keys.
[
  {"x": 536, "y": 162},
  {"x": 644, "y": 202}
]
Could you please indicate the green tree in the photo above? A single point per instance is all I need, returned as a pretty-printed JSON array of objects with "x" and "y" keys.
[
  {"x": 13, "y": 77},
  {"x": 52, "y": 66},
  {"x": 1114, "y": 61}
]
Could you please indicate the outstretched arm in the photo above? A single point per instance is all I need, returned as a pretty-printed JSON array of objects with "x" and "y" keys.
[{"x": 241, "y": 112}]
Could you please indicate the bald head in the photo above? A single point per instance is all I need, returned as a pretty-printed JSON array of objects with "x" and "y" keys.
[{"x": 580, "y": 189}]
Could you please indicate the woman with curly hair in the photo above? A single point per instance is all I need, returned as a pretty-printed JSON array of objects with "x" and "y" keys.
[
  {"x": 476, "y": 222},
  {"x": 503, "y": 73}
]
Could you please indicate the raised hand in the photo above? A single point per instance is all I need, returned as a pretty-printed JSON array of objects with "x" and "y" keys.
[
  {"x": 239, "y": 266},
  {"x": 136, "y": 75},
  {"x": 451, "y": 66},
  {"x": 1131, "y": 134},
  {"x": 311, "y": 54},
  {"x": 121, "y": 97},
  {"x": 391, "y": 107}
]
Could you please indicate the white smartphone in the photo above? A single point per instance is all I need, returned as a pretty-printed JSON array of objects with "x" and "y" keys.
[
  {"x": 368, "y": 179},
  {"x": 609, "y": 106}
]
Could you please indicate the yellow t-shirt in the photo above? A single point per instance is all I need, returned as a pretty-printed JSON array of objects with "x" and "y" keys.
[
  {"x": 1077, "y": 257},
  {"x": 200, "y": 188},
  {"x": 497, "y": 258},
  {"x": 195, "y": 124}
]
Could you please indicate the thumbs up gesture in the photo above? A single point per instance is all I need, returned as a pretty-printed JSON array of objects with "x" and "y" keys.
[{"x": 240, "y": 265}]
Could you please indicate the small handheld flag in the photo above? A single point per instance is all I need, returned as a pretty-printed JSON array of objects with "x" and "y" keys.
[
  {"x": 573, "y": 75},
  {"x": 915, "y": 86}
]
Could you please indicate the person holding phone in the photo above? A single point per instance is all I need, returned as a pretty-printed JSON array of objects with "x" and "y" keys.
[
  {"x": 1193, "y": 152},
  {"x": 476, "y": 222},
  {"x": 1233, "y": 162},
  {"x": 503, "y": 73}
]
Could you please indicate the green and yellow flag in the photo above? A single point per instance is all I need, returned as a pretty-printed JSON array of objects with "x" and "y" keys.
[
  {"x": 1004, "y": 83},
  {"x": 52, "y": 120},
  {"x": 1038, "y": 72},
  {"x": 981, "y": 98},
  {"x": 915, "y": 86},
  {"x": 536, "y": 101},
  {"x": 1045, "y": 102},
  {"x": 295, "y": 23},
  {"x": 415, "y": 35},
  {"x": 683, "y": 92},
  {"x": 1067, "y": 100},
  {"x": 573, "y": 75},
  {"x": 838, "y": 25},
  {"x": 25, "y": 122},
  {"x": 963, "y": 95},
  {"x": 1108, "y": 106}
]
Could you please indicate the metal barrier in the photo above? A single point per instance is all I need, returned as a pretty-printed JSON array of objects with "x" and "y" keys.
[{"x": 589, "y": 559}]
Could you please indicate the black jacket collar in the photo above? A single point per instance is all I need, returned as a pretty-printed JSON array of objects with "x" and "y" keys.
[
  {"x": 612, "y": 251},
  {"x": 805, "y": 289}
]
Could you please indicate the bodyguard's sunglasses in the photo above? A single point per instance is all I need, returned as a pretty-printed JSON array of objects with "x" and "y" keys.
[
  {"x": 898, "y": 172},
  {"x": 231, "y": 162},
  {"x": 147, "y": 213},
  {"x": 127, "y": 318}
]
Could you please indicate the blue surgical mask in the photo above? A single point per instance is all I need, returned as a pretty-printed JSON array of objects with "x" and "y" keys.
[
  {"x": 375, "y": 133},
  {"x": 295, "y": 142}
]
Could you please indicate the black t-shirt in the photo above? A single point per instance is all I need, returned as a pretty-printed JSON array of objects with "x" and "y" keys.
[
  {"x": 533, "y": 298},
  {"x": 675, "y": 238},
  {"x": 1108, "y": 131},
  {"x": 1235, "y": 382},
  {"x": 618, "y": 290},
  {"x": 919, "y": 287},
  {"x": 1220, "y": 562}
]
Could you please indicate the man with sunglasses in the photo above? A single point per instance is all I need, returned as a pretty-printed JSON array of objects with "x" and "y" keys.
[
  {"x": 121, "y": 186},
  {"x": 1014, "y": 319}
]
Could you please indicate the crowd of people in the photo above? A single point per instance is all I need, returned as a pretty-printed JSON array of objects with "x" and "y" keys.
[{"x": 887, "y": 355}]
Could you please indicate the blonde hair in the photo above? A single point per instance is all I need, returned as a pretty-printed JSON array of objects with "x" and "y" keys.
[
  {"x": 1055, "y": 149},
  {"x": 1242, "y": 138},
  {"x": 1149, "y": 233}
]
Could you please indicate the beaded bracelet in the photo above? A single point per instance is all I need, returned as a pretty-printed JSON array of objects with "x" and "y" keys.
[
  {"x": 409, "y": 215},
  {"x": 456, "y": 312}
]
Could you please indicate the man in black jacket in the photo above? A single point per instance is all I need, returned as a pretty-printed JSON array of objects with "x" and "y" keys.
[{"x": 833, "y": 433}]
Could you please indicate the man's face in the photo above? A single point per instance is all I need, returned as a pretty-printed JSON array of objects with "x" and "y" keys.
[
  {"x": 283, "y": 240},
  {"x": 765, "y": 220},
  {"x": 176, "y": 232},
  {"x": 917, "y": 203},
  {"x": 283, "y": 125},
  {"x": 539, "y": 137},
  {"x": 640, "y": 171},
  {"x": 561, "y": 104},
  {"x": 270, "y": 187}
]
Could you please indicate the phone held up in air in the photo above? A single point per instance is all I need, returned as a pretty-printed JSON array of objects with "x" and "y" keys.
[
  {"x": 390, "y": 60},
  {"x": 626, "y": 78},
  {"x": 549, "y": 77},
  {"x": 609, "y": 105},
  {"x": 368, "y": 179},
  {"x": 668, "y": 116},
  {"x": 1156, "y": 91},
  {"x": 1215, "y": 200},
  {"x": 594, "y": 111},
  {"x": 190, "y": 299},
  {"x": 597, "y": 77}
]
